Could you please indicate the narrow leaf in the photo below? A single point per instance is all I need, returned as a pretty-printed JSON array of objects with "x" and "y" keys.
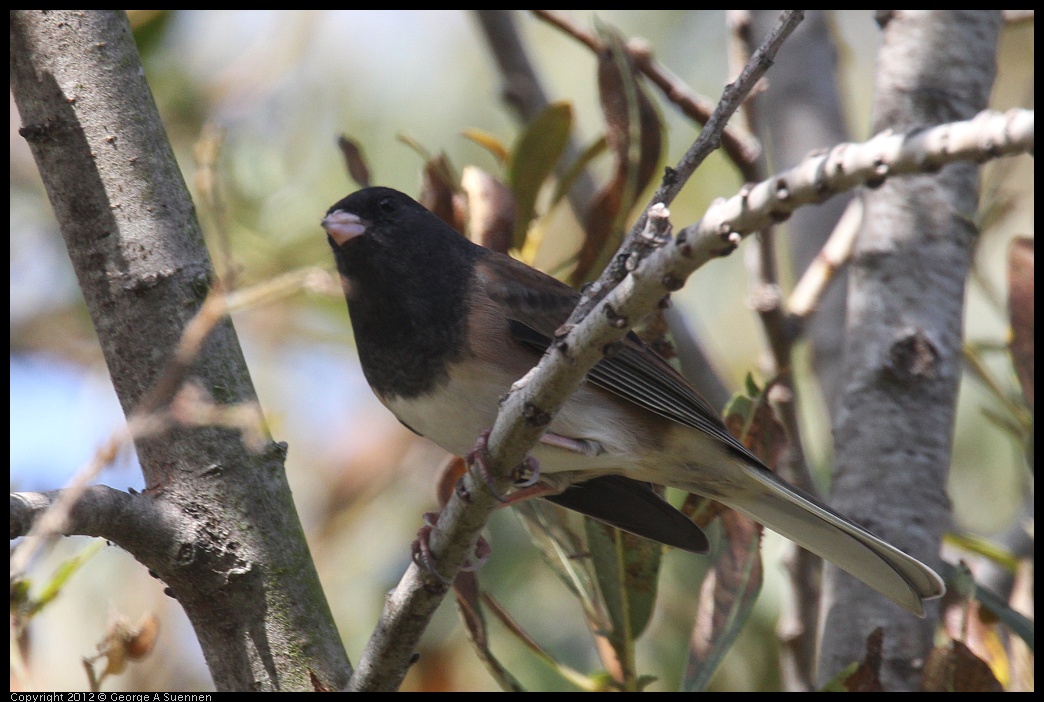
[
  {"x": 1020, "y": 308},
  {"x": 489, "y": 142},
  {"x": 491, "y": 209},
  {"x": 354, "y": 161},
  {"x": 634, "y": 136},
  {"x": 627, "y": 568},
  {"x": 533, "y": 158}
]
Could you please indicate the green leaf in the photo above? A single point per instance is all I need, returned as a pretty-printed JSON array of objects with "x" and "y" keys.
[
  {"x": 62, "y": 574},
  {"x": 559, "y": 544},
  {"x": 837, "y": 683},
  {"x": 1018, "y": 623},
  {"x": 627, "y": 568},
  {"x": 533, "y": 158},
  {"x": 598, "y": 147},
  {"x": 984, "y": 547},
  {"x": 727, "y": 599}
]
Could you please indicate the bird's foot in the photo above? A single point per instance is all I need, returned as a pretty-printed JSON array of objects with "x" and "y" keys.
[
  {"x": 423, "y": 557},
  {"x": 524, "y": 476}
]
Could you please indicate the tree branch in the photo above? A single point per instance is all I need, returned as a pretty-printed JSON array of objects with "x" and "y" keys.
[{"x": 894, "y": 424}]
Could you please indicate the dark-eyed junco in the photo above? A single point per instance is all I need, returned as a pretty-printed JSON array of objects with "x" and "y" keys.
[{"x": 445, "y": 326}]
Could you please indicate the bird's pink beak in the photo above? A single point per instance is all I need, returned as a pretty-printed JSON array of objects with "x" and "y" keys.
[{"x": 342, "y": 226}]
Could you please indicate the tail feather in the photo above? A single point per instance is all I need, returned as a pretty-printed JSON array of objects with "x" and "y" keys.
[{"x": 807, "y": 521}]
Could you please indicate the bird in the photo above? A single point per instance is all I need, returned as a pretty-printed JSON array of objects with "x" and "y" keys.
[{"x": 444, "y": 327}]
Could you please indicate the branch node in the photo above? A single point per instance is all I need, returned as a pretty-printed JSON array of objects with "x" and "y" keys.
[
  {"x": 672, "y": 282},
  {"x": 612, "y": 348},
  {"x": 534, "y": 416},
  {"x": 616, "y": 320}
]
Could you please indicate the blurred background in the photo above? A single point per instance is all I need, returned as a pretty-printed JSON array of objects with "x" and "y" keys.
[{"x": 277, "y": 88}]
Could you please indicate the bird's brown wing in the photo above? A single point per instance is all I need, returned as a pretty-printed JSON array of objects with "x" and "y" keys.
[{"x": 536, "y": 304}]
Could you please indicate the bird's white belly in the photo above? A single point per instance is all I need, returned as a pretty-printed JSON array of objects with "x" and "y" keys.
[{"x": 455, "y": 413}]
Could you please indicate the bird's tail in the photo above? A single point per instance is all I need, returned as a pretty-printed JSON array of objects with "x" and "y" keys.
[{"x": 807, "y": 521}]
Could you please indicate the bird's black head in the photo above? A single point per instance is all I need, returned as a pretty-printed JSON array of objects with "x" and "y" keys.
[
  {"x": 405, "y": 274},
  {"x": 384, "y": 228}
]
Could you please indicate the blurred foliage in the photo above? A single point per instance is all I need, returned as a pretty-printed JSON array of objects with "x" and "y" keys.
[{"x": 254, "y": 103}]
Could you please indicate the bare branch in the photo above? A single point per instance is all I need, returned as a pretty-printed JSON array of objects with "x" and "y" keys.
[{"x": 834, "y": 254}]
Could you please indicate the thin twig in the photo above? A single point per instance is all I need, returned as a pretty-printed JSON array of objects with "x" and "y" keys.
[
  {"x": 835, "y": 253},
  {"x": 171, "y": 402}
]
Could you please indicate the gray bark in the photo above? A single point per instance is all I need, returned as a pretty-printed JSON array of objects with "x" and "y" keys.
[{"x": 893, "y": 429}]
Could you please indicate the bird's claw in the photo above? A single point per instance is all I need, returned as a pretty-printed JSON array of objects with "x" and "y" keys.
[
  {"x": 525, "y": 475},
  {"x": 421, "y": 554}
]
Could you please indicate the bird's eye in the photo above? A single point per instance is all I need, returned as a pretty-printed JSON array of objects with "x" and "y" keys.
[{"x": 387, "y": 205}]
